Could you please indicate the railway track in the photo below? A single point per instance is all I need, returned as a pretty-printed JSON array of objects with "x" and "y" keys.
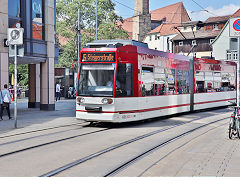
[
  {"x": 51, "y": 142},
  {"x": 122, "y": 166},
  {"x": 40, "y": 130}
]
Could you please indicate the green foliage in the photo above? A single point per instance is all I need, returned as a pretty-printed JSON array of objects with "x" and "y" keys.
[
  {"x": 22, "y": 74},
  {"x": 67, "y": 17}
]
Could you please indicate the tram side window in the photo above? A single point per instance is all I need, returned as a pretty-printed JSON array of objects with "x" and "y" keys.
[
  {"x": 182, "y": 81},
  {"x": 171, "y": 88},
  {"x": 199, "y": 82},
  {"x": 228, "y": 82},
  {"x": 208, "y": 87},
  {"x": 232, "y": 82},
  {"x": 187, "y": 81},
  {"x": 217, "y": 81},
  {"x": 124, "y": 84},
  {"x": 147, "y": 81},
  {"x": 159, "y": 79}
]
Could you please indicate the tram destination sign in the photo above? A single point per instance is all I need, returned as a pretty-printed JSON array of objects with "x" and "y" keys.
[
  {"x": 234, "y": 27},
  {"x": 98, "y": 57}
]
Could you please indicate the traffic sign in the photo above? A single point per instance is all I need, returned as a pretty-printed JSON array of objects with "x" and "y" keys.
[
  {"x": 15, "y": 36},
  {"x": 234, "y": 27}
]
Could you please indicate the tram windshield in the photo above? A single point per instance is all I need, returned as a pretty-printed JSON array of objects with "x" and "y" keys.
[{"x": 96, "y": 79}]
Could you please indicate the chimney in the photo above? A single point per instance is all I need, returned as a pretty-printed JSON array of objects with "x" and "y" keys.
[{"x": 141, "y": 20}]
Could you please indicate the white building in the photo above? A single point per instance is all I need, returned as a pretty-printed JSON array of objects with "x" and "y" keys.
[
  {"x": 225, "y": 47},
  {"x": 163, "y": 26}
]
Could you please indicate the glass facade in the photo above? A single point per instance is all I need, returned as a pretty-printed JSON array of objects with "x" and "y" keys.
[
  {"x": 37, "y": 20},
  {"x": 14, "y": 13},
  {"x": 14, "y": 8}
]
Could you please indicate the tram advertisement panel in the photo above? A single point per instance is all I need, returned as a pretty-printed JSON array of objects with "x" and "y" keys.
[{"x": 98, "y": 57}]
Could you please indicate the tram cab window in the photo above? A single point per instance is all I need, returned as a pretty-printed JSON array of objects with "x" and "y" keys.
[
  {"x": 147, "y": 81},
  {"x": 124, "y": 84},
  {"x": 93, "y": 79},
  {"x": 171, "y": 87}
]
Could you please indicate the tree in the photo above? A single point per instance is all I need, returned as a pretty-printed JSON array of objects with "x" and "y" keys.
[
  {"x": 22, "y": 74},
  {"x": 67, "y": 17}
]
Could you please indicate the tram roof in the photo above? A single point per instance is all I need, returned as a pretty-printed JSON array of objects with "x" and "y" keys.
[{"x": 114, "y": 43}]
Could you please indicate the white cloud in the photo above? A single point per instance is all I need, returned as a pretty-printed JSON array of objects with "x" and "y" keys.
[{"x": 202, "y": 15}]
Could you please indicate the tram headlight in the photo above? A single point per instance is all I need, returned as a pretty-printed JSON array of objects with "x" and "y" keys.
[
  {"x": 107, "y": 101},
  {"x": 80, "y": 100}
]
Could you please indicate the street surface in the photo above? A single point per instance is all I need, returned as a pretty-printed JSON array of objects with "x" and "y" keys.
[{"x": 193, "y": 144}]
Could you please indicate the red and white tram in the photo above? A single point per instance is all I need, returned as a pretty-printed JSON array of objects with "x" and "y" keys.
[{"x": 124, "y": 80}]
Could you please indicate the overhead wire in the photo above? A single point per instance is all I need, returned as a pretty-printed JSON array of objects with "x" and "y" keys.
[
  {"x": 204, "y": 9},
  {"x": 126, "y": 6}
]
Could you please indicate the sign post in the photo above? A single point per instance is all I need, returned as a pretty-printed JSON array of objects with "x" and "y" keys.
[
  {"x": 234, "y": 31},
  {"x": 15, "y": 38}
]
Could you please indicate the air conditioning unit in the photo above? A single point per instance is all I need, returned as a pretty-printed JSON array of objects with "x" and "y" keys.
[{"x": 15, "y": 36}]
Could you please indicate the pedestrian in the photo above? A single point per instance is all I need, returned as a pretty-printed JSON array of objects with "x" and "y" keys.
[
  {"x": 58, "y": 89},
  {"x": 5, "y": 101}
]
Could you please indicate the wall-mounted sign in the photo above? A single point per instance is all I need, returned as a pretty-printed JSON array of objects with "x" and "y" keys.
[
  {"x": 234, "y": 27},
  {"x": 98, "y": 57}
]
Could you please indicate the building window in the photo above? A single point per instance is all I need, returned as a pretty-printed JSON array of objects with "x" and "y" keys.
[
  {"x": 37, "y": 20},
  {"x": 194, "y": 42},
  {"x": 150, "y": 38},
  {"x": 156, "y": 37},
  {"x": 229, "y": 55},
  {"x": 14, "y": 13},
  {"x": 180, "y": 43},
  {"x": 211, "y": 41},
  {"x": 232, "y": 55},
  {"x": 235, "y": 56},
  {"x": 215, "y": 27}
]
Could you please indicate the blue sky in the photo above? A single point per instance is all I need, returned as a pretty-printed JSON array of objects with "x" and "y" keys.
[{"x": 214, "y": 7}]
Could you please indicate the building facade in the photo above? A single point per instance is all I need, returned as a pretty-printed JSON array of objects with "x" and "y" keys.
[
  {"x": 37, "y": 17},
  {"x": 163, "y": 26},
  {"x": 196, "y": 37},
  {"x": 225, "y": 47}
]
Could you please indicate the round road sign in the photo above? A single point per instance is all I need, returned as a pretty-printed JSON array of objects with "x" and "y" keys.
[{"x": 236, "y": 25}]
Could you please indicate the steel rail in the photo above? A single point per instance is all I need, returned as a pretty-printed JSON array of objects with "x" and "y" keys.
[
  {"x": 133, "y": 160},
  {"x": 51, "y": 142},
  {"x": 94, "y": 155},
  {"x": 39, "y": 130}
]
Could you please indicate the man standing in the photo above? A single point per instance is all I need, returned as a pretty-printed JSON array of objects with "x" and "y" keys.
[{"x": 58, "y": 94}]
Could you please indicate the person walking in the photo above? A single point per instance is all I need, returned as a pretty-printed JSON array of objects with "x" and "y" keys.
[
  {"x": 5, "y": 101},
  {"x": 58, "y": 89}
]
